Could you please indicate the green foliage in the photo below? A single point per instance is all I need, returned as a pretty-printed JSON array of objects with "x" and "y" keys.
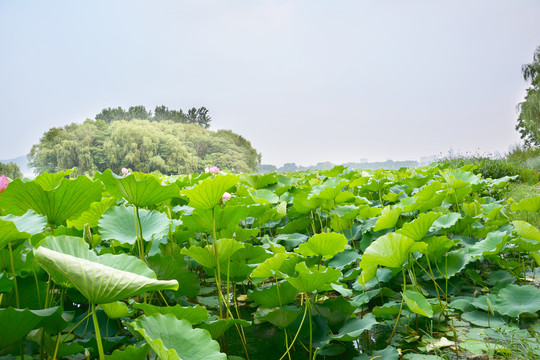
[
  {"x": 529, "y": 117},
  {"x": 161, "y": 113},
  {"x": 11, "y": 170},
  {"x": 141, "y": 145}
]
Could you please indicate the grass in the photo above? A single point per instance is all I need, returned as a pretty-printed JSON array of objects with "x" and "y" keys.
[{"x": 518, "y": 192}]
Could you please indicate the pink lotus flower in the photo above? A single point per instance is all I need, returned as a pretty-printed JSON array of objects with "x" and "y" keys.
[
  {"x": 213, "y": 170},
  {"x": 226, "y": 196},
  {"x": 125, "y": 172},
  {"x": 4, "y": 182}
]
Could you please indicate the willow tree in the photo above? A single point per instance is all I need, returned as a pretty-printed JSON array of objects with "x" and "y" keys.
[{"x": 529, "y": 110}]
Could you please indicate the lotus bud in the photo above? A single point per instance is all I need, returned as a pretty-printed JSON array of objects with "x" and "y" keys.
[
  {"x": 125, "y": 172},
  {"x": 213, "y": 170},
  {"x": 4, "y": 182},
  {"x": 226, "y": 196}
]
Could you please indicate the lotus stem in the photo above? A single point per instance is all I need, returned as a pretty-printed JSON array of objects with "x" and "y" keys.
[
  {"x": 295, "y": 336},
  {"x": 98, "y": 333}
]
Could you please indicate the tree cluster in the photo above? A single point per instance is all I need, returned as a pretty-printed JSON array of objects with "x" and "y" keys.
[
  {"x": 161, "y": 113},
  {"x": 11, "y": 170},
  {"x": 141, "y": 145},
  {"x": 528, "y": 123}
]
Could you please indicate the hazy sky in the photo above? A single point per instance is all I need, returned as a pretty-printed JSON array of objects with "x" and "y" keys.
[{"x": 305, "y": 81}]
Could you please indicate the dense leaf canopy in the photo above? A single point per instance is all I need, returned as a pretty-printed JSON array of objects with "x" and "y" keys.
[{"x": 141, "y": 145}]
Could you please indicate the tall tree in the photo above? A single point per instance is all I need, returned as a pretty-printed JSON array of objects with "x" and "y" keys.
[
  {"x": 11, "y": 170},
  {"x": 529, "y": 110}
]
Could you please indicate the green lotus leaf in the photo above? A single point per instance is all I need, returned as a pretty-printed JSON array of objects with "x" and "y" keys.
[
  {"x": 9, "y": 233},
  {"x": 264, "y": 196},
  {"x": 173, "y": 339},
  {"x": 271, "y": 297},
  {"x": 303, "y": 204},
  {"x": 270, "y": 266},
  {"x": 66, "y": 201},
  {"x": 168, "y": 267},
  {"x": 315, "y": 278},
  {"x": 130, "y": 353},
  {"x": 330, "y": 190},
  {"x": 326, "y": 245},
  {"x": 92, "y": 215},
  {"x": 117, "y": 309},
  {"x": 417, "y": 303},
  {"x": 30, "y": 222},
  {"x": 353, "y": 328},
  {"x": 119, "y": 223},
  {"x": 531, "y": 204},
  {"x": 453, "y": 263},
  {"x": 412, "y": 356},
  {"x": 388, "y": 219},
  {"x": 202, "y": 220},
  {"x": 103, "y": 279},
  {"x": 217, "y": 327},
  {"x": 492, "y": 244},
  {"x": 418, "y": 228},
  {"x": 459, "y": 178},
  {"x": 342, "y": 259},
  {"x": 194, "y": 314},
  {"x": 138, "y": 189},
  {"x": 390, "y": 250},
  {"x": 483, "y": 319},
  {"x": 526, "y": 230},
  {"x": 446, "y": 221},
  {"x": 208, "y": 193},
  {"x": 207, "y": 256},
  {"x": 250, "y": 254},
  {"x": 438, "y": 246},
  {"x": 514, "y": 300},
  {"x": 49, "y": 181},
  {"x": 283, "y": 317},
  {"x": 16, "y": 323},
  {"x": 259, "y": 181},
  {"x": 388, "y": 353}
]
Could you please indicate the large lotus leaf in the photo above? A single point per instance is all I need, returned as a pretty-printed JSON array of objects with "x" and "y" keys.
[
  {"x": 446, "y": 221},
  {"x": 390, "y": 250},
  {"x": 283, "y": 317},
  {"x": 117, "y": 309},
  {"x": 526, "y": 230},
  {"x": 16, "y": 323},
  {"x": 492, "y": 244},
  {"x": 353, "y": 328},
  {"x": 459, "y": 178},
  {"x": 173, "y": 339},
  {"x": 388, "y": 353},
  {"x": 194, "y": 314},
  {"x": 514, "y": 300},
  {"x": 130, "y": 353},
  {"x": 388, "y": 219},
  {"x": 92, "y": 215},
  {"x": 119, "y": 223},
  {"x": 30, "y": 222},
  {"x": 264, "y": 196},
  {"x": 138, "y": 189},
  {"x": 66, "y": 201},
  {"x": 483, "y": 319},
  {"x": 330, "y": 190},
  {"x": 531, "y": 204},
  {"x": 326, "y": 245},
  {"x": 207, "y": 256},
  {"x": 315, "y": 278},
  {"x": 342, "y": 259},
  {"x": 49, "y": 181},
  {"x": 105, "y": 279},
  {"x": 208, "y": 193},
  {"x": 418, "y": 228},
  {"x": 202, "y": 220},
  {"x": 217, "y": 327},
  {"x": 259, "y": 181},
  {"x": 438, "y": 246},
  {"x": 168, "y": 267},
  {"x": 10, "y": 233},
  {"x": 452, "y": 263},
  {"x": 417, "y": 303},
  {"x": 273, "y": 296},
  {"x": 270, "y": 266},
  {"x": 251, "y": 254}
]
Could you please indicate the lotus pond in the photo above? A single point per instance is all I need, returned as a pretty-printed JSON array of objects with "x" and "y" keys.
[{"x": 431, "y": 263}]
